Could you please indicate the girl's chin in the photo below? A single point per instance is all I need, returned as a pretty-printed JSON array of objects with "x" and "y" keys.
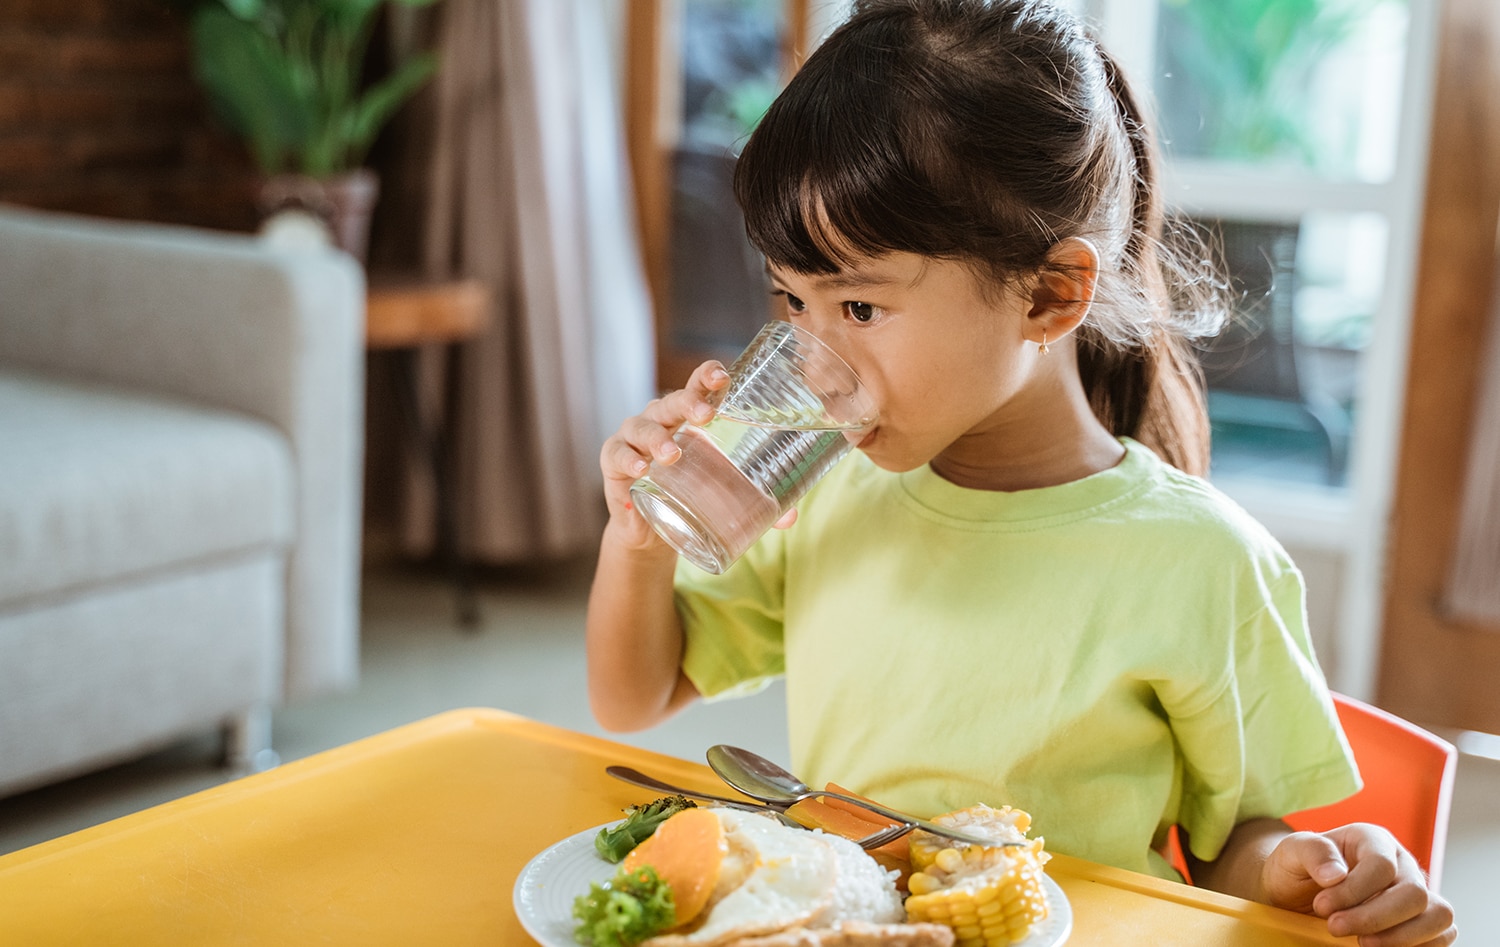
[{"x": 890, "y": 460}]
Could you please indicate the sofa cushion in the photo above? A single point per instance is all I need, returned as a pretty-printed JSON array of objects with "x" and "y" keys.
[{"x": 102, "y": 484}]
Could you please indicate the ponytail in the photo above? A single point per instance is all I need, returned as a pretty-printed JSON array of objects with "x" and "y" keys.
[{"x": 1151, "y": 390}]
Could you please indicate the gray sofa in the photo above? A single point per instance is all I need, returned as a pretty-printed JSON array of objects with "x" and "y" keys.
[{"x": 181, "y": 426}]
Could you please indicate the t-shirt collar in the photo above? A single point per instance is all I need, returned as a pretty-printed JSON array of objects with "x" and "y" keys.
[{"x": 1137, "y": 470}]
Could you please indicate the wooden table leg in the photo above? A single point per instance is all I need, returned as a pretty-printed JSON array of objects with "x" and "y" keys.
[{"x": 430, "y": 441}]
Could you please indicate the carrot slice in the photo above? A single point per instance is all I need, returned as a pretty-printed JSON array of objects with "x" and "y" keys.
[
  {"x": 822, "y": 814},
  {"x": 851, "y": 824},
  {"x": 850, "y": 807}
]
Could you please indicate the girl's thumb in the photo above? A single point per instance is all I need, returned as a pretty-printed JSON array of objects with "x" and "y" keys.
[
  {"x": 1330, "y": 872},
  {"x": 1323, "y": 861}
]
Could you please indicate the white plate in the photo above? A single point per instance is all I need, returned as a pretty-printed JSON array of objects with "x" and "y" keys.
[{"x": 546, "y": 887}]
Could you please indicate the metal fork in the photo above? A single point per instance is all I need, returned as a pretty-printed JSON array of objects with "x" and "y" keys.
[
  {"x": 637, "y": 778},
  {"x": 889, "y": 834}
]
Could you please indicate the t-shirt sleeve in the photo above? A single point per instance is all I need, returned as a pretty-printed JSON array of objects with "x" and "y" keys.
[
  {"x": 1266, "y": 742},
  {"x": 732, "y": 623}
]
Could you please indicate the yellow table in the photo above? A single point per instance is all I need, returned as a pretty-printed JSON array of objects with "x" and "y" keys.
[{"x": 416, "y": 836}]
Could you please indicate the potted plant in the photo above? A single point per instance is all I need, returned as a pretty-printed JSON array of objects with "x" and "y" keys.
[{"x": 289, "y": 77}]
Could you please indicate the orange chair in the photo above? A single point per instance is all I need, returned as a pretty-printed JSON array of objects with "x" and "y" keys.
[
  {"x": 1408, "y": 786},
  {"x": 1408, "y": 776}
]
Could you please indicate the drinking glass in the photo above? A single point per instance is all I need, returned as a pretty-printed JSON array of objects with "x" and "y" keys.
[{"x": 792, "y": 409}]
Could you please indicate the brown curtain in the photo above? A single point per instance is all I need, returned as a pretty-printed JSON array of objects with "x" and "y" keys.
[{"x": 511, "y": 169}]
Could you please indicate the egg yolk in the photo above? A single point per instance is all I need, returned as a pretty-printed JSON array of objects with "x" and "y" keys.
[{"x": 687, "y": 852}]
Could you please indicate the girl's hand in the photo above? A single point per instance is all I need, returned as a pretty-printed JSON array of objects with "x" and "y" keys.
[
  {"x": 1360, "y": 879},
  {"x": 628, "y": 453}
]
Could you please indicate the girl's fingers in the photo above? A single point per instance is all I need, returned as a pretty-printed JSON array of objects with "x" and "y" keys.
[
  {"x": 708, "y": 377},
  {"x": 1385, "y": 890},
  {"x": 1384, "y": 897},
  {"x": 622, "y": 461},
  {"x": 1406, "y": 913},
  {"x": 1376, "y": 862},
  {"x": 651, "y": 440},
  {"x": 1300, "y": 870},
  {"x": 691, "y": 402},
  {"x": 648, "y": 438},
  {"x": 648, "y": 435},
  {"x": 1430, "y": 924}
]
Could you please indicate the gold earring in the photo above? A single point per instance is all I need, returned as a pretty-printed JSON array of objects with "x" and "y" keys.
[{"x": 1043, "y": 349}]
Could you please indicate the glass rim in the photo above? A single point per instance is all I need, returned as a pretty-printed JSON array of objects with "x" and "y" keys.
[{"x": 772, "y": 336}]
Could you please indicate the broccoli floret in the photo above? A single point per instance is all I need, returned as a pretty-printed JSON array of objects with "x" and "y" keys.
[
  {"x": 622, "y": 912},
  {"x": 640, "y": 821}
]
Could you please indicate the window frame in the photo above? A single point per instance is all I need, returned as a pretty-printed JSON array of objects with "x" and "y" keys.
[{"x": 653, "y": 127}]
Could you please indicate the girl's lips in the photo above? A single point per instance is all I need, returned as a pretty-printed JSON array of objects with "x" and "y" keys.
[{"x": 869, "y": 438}]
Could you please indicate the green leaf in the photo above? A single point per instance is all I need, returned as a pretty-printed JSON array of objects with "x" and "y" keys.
[
  {"x": 381, "y": 100},
  {"x": 248, "y": 10},
  {"x": 249, "y": 82},
  {"x": 286, "y": 75},
  {"x": 350, "y": 15},
  {"x": 1250, "y": 61},
  {"x": 627, "y": 909}
]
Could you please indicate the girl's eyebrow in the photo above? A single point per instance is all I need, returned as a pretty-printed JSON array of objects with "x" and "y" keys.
[{"x": 846, "y": 279}]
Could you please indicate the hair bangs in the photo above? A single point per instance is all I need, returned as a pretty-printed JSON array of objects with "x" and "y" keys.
[{"x": 817, "y": 178}]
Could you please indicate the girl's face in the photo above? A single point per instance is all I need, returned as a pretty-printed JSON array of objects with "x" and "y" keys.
[{"x": 949, "y": 365}]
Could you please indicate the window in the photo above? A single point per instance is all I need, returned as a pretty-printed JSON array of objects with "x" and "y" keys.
[
  {"x": 709, "y": 68},
  {"x": 1288, "y": 130},
  {"x": 1301, "y": 98}
]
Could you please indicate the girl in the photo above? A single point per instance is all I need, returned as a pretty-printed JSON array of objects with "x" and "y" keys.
[{"x": 1016, "y": 591}]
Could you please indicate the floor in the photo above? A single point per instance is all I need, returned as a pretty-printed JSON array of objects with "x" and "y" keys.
[{"x": 527, "y": 658}]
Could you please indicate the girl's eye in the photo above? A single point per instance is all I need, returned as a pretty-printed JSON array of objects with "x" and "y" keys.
[
  {"x": 861, "y": 312},
  {"x": 793, "y": 304}
]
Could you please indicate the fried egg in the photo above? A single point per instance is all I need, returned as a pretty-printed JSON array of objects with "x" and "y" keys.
[{"x": 771, "y": 877}]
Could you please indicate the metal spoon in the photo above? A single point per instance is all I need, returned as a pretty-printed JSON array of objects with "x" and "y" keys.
[
  {"x": 637, "y": 778},
  {"x": 759, "y": 778}
]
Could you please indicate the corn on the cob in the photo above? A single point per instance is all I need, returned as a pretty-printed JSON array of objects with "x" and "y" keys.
[
  {"x": 989, "y": 896},
  {"x": 1003, "y": 825}
]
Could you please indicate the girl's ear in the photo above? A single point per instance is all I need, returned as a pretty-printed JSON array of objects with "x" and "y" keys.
[{"x": 1064, "y": 288}]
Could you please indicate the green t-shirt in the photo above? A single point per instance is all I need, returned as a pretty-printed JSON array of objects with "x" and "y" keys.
[{"x": 1113, "y": 655}]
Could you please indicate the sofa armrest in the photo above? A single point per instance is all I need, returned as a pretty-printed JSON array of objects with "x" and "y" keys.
[{"x": 221, "y": 320}]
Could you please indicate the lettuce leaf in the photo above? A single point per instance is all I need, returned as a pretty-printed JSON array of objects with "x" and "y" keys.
[{"x": 622, "y": 912}]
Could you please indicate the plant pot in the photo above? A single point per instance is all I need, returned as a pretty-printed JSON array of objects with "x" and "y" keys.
[{"x": 343, "y": 203}]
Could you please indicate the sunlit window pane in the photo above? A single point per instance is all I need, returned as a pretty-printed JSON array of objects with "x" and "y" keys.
[{"x": 1312, "y": 85}]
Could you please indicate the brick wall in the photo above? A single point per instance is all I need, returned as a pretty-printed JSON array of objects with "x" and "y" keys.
[{"x": 99, "y": 114}]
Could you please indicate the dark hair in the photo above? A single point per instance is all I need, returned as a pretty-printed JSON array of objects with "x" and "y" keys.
[{"x": 986, "y": 131}]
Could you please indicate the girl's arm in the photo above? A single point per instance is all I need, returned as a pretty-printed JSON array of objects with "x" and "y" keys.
[
  {"x": 1357, "y": 876},
  {"x": 634, "y": 636},
  {"x": 1237, "y": 870}
]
